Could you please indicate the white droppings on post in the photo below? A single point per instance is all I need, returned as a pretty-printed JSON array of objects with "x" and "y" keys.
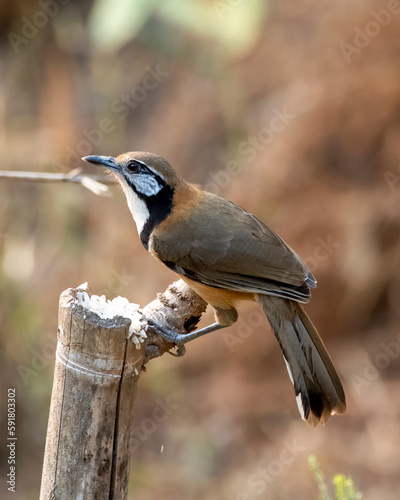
[{"x": 108, "y": 309}]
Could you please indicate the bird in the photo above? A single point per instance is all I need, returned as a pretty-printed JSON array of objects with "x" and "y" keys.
[{"x": 227, "y": 255}]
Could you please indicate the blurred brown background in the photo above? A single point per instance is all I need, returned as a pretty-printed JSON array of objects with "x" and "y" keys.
[{"x": 292, "y": 110}]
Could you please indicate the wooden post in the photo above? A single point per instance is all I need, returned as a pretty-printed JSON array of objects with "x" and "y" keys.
[{"x": 96, "y": 375}]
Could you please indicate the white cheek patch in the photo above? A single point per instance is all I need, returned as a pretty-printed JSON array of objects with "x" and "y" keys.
[
  {"x": 147, "y": 185},
  {"x": 137, "y": 206}
]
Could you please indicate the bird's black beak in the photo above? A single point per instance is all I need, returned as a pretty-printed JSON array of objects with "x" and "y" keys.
[{"x": 103, "y": 161}]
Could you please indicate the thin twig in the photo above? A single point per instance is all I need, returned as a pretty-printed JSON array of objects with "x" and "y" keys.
[
  {"x": 95, "y": 183},
  {"x": 50, "y": 177}
]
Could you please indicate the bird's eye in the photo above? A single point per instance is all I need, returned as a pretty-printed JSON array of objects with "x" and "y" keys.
[{"x": 133, "y": 167}]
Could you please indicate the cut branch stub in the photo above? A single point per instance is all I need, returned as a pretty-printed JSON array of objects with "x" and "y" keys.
[{"x": 179, "y": 309}]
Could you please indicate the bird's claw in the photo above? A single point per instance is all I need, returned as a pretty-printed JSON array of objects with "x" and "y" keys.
[
  {"x": 172, "y": 337},
  {"x": 181, "y": 350}
]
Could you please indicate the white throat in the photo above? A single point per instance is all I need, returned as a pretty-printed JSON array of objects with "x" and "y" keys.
[{"x": 137, "y": 206}]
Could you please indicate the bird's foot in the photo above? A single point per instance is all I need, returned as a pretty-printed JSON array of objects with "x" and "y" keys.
[
  {"x": 181, "y": 339},
  {"x": 172, "y": 337}
]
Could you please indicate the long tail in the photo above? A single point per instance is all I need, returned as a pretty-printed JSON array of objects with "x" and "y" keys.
[{"x": 319, "y": 392}]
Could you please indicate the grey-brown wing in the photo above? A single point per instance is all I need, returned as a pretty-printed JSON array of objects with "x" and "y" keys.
[{"x": 224, "y": 246}]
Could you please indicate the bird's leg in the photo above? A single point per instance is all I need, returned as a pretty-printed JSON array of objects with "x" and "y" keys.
[
  {"x": 181, "y": 339},
  {"x": 224, "y": 317}
]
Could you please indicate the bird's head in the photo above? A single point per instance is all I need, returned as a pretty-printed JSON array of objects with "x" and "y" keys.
[
  {"x": 145, "y": 173},
  {"x": 148, "y": 182}
]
